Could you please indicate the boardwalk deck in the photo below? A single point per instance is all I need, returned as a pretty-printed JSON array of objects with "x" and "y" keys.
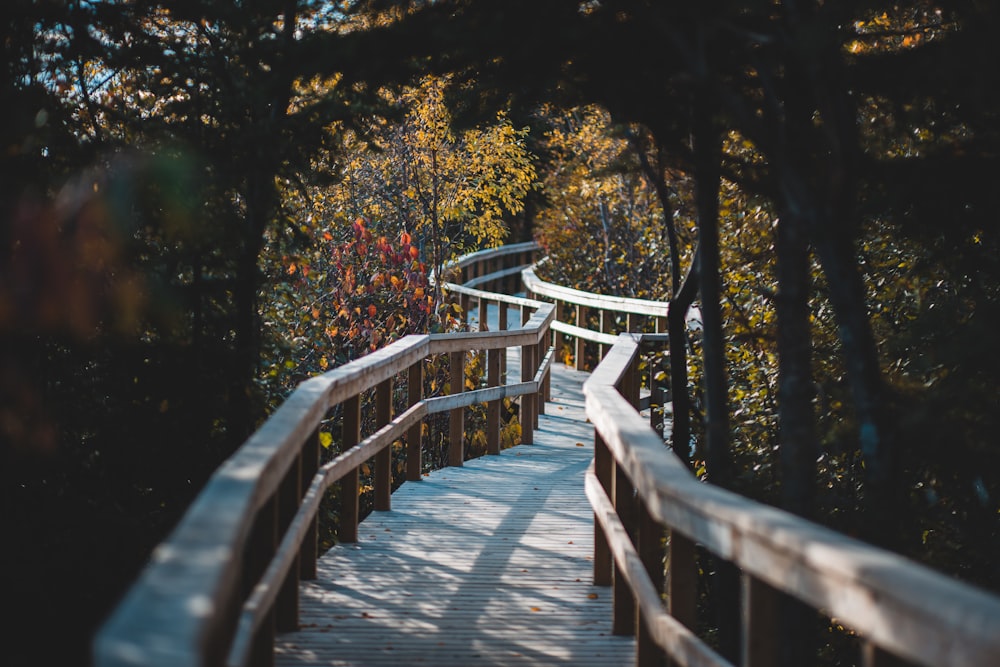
[{"x": 488, "y": 564}]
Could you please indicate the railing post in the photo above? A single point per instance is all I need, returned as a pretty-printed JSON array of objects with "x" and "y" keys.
[
  {"x": 603, "y": 470},
  {"x": 502, "y": 326},
  {"x": 310, "y": 543},
  {"x": 463, "y": 302},
  {"x": 760, "y": 623},
  {"x": 289, "y": 498},
  {"x": 623, "y": 621},
  {"x": 528, "y": 401},
  {"x": 556, "y": 342},
  {"x": 414, "y": 449},
  {"x": 383, "y": 459},
  {"x": 631, "y": 322},
  {"x": 456, "y": 430},
  {"x": 630, "y": 383},
  {"x": 348, "y": 529},
  {"x": 682, "y": 580},
  {"x": 260, "y": 550},
  {"x": 650, "y": 548},
  {"x": 540, "y": 395},
  {"x": 493, "y": 407},
  {"x": 484, "y": 311},
  {"x": 607, "y": 324},
  {"x": 582, "y": 313}
]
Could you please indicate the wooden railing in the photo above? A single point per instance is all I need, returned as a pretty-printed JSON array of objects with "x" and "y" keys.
[
  {"x": 904, "y": 612},
  {"x": 226, "y": 580}
]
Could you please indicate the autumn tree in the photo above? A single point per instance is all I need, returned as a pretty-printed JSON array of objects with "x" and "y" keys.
[{"x": 451, "y": 189}]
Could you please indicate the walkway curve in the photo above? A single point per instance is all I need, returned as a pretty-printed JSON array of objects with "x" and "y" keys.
[{"x": 486, "y": 564}]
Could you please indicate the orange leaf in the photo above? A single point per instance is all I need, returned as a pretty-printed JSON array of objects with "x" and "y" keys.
[
  {"x": 291, "y": 268},
  {"x": 414, "y": 252},
  {"x": 372, "y": 310},
  {"x": 328, "y": 236},
  {"x": 404, "y": 238}
]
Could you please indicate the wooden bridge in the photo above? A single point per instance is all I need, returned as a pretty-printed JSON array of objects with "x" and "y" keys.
[{"x": 576, "y": 547}]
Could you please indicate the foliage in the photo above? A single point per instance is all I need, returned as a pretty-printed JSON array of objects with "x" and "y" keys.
[
  {"x": 450, "y": 190},
  {"x": 601, "y": 208}
]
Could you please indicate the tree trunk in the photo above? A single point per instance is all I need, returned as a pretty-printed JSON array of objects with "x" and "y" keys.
[{"x": 718, "y": 457}]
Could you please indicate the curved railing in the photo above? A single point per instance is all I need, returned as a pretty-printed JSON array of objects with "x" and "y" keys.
[
  {"x": 226, "y": 579},
  {"x": 639, "y": 490}
]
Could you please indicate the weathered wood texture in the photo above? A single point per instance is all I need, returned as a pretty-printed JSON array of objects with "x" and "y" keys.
[
  {"x": 489, "y": 564},
  {"x": 903, "y": 610}
]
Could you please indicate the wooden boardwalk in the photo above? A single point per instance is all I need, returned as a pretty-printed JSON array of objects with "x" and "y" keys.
[{"x": 488, "y": 564}]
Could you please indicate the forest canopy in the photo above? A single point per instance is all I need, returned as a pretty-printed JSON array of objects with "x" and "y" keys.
[{"x": 203, "y": 203}]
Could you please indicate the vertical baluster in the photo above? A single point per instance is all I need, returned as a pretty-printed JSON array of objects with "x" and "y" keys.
[
  {"x": 604, "y": 470},
  {"x": 558, "y": 317},
  {"x": 650, "y": 548},
  {"x": 539, "y": 355},
  {"x": 527, "y": 400},
  {"x": 348, "y": 531},
  {"x": 260, "y": 550},
  {"x": 502, "y": 326},
  {"x": 383, "y": 459},
  {"x": 581, "y": 343},
  {"x": 484, "y": 309},
  {"x": 456, "y": 430},
  {"x": 289, "y": 497},
  {"x": 682, "y": 580},
  {"x": 414, "y": 449},
  {"x": 760, "y": 623},
  {"x": 493, "y": 407},
  {"x": 607, "y": 320},
  {"x": 310, "y": 543},
  {"x": 623, "y": 621}
]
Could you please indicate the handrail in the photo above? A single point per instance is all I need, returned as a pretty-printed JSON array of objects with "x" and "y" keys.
[
  {"x": 898, "y": 607},
  {"x": 219, "y": 586},
  {"x": 536, "y": 285}
]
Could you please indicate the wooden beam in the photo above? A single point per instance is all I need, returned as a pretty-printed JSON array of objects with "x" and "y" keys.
[
  {"x": 349, "y": 487},
  {"x": 456, "y": 420},
  {"x": 493, "y": 407},
  {"x": 414, "y": 436},
  {"x": 383, "y": 460},
  {"x": 761, "y": 633}
]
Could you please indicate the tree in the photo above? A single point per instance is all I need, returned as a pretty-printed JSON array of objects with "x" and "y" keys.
[{"x": 450, "y": 190}]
